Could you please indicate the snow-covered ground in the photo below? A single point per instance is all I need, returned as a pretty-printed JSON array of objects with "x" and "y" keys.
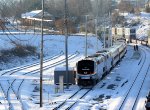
[
  {"x": 53, "y": 44},
  {"x": 108, "y": 94},
  {"x": 143, "y": 26}
]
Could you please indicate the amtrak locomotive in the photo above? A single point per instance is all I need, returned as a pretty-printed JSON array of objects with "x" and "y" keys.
[{"x": 93, "y": 68}]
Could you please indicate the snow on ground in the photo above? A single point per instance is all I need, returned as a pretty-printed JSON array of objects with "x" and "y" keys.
[
  {"x": 106, "y": 96},
  {"x": 143, "y": 26},
  {"x": 111, "y": 89},
  {"x": 53, "y": 44}
]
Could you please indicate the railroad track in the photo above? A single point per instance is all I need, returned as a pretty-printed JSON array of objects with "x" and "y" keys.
[
  {"x": 5, "y": 104},
  {"x": 142, "y": 84},
  {"x": 44, "y": 68},
  {"x": 73, "y": 99},
  {"x": 16, "y": 93},
  {"x": 10, "y": 89},
  {"x": 13, "y": 97},
  {"x": 10, "y": 97},
  {"x": 11, "y": 72},
  {"x": 136, "y": 86},
  {"x": 31, "y": 65}
]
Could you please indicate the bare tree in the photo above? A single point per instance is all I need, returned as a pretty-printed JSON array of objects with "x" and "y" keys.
[
  {"x": 125, "y": 6},
  {"x": 116, "y": 18},
  {"x": 147, "y": 9},
  {"x": 79, "y": 7},
  {"x": 51, "y": 7},
  {"x": 104, "y": 7},
  {"x": 10, "y": 8},
  {"x": 4, "y": 8}
]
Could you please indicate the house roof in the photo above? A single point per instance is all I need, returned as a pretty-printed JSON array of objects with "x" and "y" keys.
[
  {"x": 31, "y": 14},
  {"x": 35, "y": 15}
]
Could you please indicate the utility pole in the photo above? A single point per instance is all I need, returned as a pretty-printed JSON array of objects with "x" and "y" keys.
[
  {"x": 86, "y": 35},
  {"x": 96, "y": 34},
  {"x": 96, "y": 25},
  {"x": 110, "y": 30},
  {"x": 136, "y": 3},
  {"x": 104, "y": 35},
  {"x": 41, "y": 57},
  {"x": 66, "y": 44},
  {"x": 110, "y": 27}
]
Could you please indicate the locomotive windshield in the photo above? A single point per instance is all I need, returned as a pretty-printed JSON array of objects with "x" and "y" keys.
[{"x": 85, "y": 67}]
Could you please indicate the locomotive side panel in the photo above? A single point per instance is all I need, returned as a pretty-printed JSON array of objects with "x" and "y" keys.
[
  {"x": 100, "y": 69},
  {"x": 108, "y": 62}
]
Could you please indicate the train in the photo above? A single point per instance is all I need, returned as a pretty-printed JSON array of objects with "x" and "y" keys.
[
  {"x": 93, "y": 68},
  {"x": 127, "y": 32}
]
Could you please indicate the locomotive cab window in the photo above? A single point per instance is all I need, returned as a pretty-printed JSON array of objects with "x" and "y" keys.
[{"x": 85, "y": 67}]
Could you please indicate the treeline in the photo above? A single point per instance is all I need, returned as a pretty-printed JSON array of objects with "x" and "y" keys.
[
  {"x": 76, "y": 8},
  {"x": 76, "y": 11}
]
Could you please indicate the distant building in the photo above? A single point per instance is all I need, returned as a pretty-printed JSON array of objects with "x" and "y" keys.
[
  {"x": 147, "y": 4},
  {"x": 33, "y": 18}
]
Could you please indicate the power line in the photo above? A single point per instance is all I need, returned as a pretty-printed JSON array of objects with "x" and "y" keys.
[{"x": 15, "y": 36}]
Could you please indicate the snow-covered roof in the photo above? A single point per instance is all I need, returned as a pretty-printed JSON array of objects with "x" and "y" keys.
[
  {"x": 31, "y": 14},
  {"x": 63, "y": 68},
  {"x": 35, "y": 15},
  {"x": 38, "y": 19},
  {"x": 124, "y": 14}
]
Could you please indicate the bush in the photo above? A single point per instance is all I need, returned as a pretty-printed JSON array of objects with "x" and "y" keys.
[
  {"x": 147, "y": 9},
  {"x": 19, "y": 50},
  {"x": 22, "y": 51}
]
